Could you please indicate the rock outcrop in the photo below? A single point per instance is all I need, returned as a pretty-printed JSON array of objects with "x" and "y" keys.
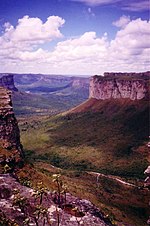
[
  {"x": 9, "y": 130},
  {"x": 147, "y": 185},
  {"x": 120, "y": 85},
  {"x": 84, "y": 212},
  {"x": 7, "y": 81},
  {"x": 147, "y": 180}
]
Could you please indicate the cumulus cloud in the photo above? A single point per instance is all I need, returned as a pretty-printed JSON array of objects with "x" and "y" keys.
[
  {"x": 129, "y": 50},
  {"x": 87, "y": 46},
  {"x": 30, "y": 31},
  {"x": 134, "y": 37},
  {"x": 122, "y": 22},
  {"x": 86, "y": 54},
  {"x": 18, "y": 44},
  {"x": 34, "y": 30}
]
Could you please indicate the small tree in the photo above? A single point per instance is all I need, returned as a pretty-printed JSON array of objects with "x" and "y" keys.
[
  {"x": 40, "y": 191},
  {"x": 61, "y": 190},
  {"x": 41, "y": 213}
]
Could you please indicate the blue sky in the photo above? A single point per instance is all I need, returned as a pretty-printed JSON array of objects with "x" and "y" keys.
[{"x": 76, "y": 37}]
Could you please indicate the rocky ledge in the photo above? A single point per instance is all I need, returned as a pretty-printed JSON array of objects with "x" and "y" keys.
[
  {"x": 120, "y": 85},
  {"x": 18, "y": 204}
]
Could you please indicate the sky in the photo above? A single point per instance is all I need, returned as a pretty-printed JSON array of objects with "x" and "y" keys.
[{"x": 74, "y": 37}]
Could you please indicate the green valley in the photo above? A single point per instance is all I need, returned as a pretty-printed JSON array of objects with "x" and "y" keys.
[{"x": 109, "y": 137}]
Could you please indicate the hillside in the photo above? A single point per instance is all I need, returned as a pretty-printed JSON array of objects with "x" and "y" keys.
[
  {"x": 108, "y": 139},
  {"x": 101, "y": 136}
]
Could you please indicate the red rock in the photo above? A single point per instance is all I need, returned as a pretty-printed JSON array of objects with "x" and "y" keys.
[{"x": 133, "y": 86}]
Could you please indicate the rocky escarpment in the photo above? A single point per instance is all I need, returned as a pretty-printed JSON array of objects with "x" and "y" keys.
[
  {"x": 120, "y": 85},
  {"x": 9, "y": 130},
  {"x": 7, "y": 81}
]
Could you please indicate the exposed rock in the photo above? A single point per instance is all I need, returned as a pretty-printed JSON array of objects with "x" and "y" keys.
[
  {"x": 87, "y": 214},
  {"x": 7, "y": 81},
  {"x": 147, "y": 180},
  {"x": 9, "y": 130},
  {"x": 120, "y": 85},
  {"x": 147, "y": 185}
]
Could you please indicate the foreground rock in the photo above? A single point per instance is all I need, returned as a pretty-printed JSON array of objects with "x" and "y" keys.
[
  {"x": 147, "y": 184},
  {"x": 73, "y": 213}
]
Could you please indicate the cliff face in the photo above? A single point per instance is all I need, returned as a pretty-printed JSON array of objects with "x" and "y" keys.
[
  {"x": 7, "y": 81},
  {"x": 120, "y": 85},
  {"x": 9, "y": 131}
]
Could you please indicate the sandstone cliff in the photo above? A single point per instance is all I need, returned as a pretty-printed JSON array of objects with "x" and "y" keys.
[
  {"x": 9, "y": 130},
  {"x": 7, "y": 81},
  {"x": 119, "y": 85}
]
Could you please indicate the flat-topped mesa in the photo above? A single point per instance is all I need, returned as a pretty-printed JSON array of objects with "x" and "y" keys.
[
  {"x": 7, "y": 81},
  {"x": 126, "y": 75},
  {"x": 133, "y": 86},
  {"x": 9, "y": 130}
]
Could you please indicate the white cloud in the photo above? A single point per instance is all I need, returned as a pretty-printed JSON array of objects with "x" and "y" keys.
[
  {"x": 86, "y": 54},
  {"x": 91, "y": 12},
  {"x": 39, "y": 54},
  {"x": 131, "y": 46},
  {"x": 96, "y": 2},
  {"x": 132, "y": 5},
  {"x": 30, "y": 31},
  {"x": 134, "y": 37},
  {"x": 122, "y": 22},
  {"x": 86, "y": 47},
  {"x": 34, "y": 30},
  {"x": 135, "y": 6}
]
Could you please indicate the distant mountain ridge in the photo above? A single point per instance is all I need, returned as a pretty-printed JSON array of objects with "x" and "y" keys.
[
  {"x": 48, "y": 83},
  {"x": 36, "y": 94},
  {"x": 7, "y": 81},
  {"x": 29, "y": 82}
]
